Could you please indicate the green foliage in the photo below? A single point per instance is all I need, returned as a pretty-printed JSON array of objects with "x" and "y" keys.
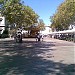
[
  {"x": 41, "y": 25},
  {"x": 30, "y": 16},
  {"x": 5, "y": 34},
  {"x": 5, "y": 31},
  {"x": 15, "y": 12},
  {"x": 65, "y": 15}
]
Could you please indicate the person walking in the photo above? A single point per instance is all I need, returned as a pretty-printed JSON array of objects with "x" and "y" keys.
[
  {"x": 42, "y": 37},
  {"x": 38, "y": 37}
]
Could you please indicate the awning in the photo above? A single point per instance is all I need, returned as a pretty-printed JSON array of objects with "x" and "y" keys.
[{"x": 65, "y": 31}]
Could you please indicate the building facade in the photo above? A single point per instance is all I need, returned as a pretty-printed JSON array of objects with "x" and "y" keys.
[
  {"x": 47, "y": 30},
  {"x": 2, "y": 24}
]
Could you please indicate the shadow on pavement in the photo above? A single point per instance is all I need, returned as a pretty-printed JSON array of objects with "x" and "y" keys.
[{"x": 23, "y": 59}]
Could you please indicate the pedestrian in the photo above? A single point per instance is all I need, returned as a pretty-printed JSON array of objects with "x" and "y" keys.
[
  {"x": 36, "y": 37},
  {"x": 39, "y": 37},
  {"x": 42, "y": 37}
]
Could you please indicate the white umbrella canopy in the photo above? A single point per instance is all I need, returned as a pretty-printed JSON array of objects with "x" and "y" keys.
[{"x": 65, "y": 31}]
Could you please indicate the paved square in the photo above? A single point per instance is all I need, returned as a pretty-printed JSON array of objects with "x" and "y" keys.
[{"x": 48, "y": 57}]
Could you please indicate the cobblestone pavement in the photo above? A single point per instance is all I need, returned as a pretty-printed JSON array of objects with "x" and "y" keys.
[{"x": 48, "y": 57}]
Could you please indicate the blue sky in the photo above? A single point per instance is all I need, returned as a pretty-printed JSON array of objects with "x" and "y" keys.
[{"x": 44, "y": 8}]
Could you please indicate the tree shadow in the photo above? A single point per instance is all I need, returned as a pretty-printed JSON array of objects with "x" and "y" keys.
[{"x": 25, "y": 59}]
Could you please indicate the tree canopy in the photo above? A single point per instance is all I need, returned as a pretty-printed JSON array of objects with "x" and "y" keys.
[
  {"x": 40, "y": 26},
  {"x": 65, "y": 15},
  {"x": 17, "y": 13}
]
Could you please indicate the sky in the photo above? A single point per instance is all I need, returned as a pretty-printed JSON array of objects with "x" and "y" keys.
[{"x": 44, "y": 8}]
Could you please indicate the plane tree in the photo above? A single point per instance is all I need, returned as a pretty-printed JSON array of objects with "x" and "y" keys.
[
  {"x": 37, "y": 27},
  {"x": 17, "y": 13},
  {"x": 65, "y": 15}
]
